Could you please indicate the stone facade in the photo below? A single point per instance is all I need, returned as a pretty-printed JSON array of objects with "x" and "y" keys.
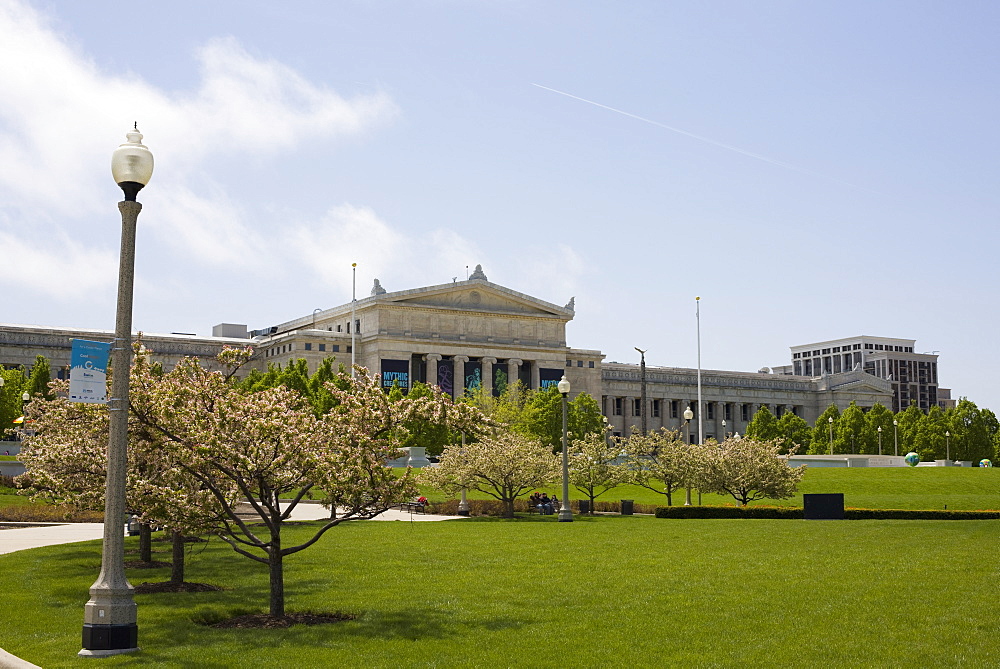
[{"x": 472, "y": 333}]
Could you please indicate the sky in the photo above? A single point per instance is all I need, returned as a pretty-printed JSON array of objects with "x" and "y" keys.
[{"x": 811, "y": 170}]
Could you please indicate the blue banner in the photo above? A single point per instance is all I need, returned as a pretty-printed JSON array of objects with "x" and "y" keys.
[{"x": 88, "y": 374}]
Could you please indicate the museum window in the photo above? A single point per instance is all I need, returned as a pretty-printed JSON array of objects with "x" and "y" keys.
[
  {"x": 340, "y": 328},
  {"x": 309, "y": 346},
  {"x": 656, "y": 408},
  {"x": 336, "y": 348},
  {"x": 357, "y": 325},
  {"x": 710, "y": 410},
  {"x": 569, "y": 363},
  {"x": 618, "y": 406},
  {"x": 673, "y": 408},
  {"x": 637, "y": 407},
  {"x": 728, "y": 411},
  {"x": 349, "y": 349},
  {"x": 745, "y": 412},
  {"x": 590, "y": 364},
  {"x": 579, "y": 363},
  {"x": 322, "y": 347}
]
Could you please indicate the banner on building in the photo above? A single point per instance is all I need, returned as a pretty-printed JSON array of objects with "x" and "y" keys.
[
  {"x": 396, "y": 371},
  {"x": 88, "y": 374},
  {"x": 548, "y": 377}
]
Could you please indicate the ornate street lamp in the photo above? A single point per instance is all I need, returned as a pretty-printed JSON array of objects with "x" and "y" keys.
[
  {"x": 880, "y": 440},
  {"x": 895, "y": 434},
  {"x": 947, "y": 445},
  {"x": 830, "y": 421},
  {"x": 565, "y": 513},
  {"x": 109, "y": 618}
]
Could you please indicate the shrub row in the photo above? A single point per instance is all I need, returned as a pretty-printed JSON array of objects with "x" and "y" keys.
[
  {"x": 791, "y": 512},
  {"x": 39, "y": 513}
]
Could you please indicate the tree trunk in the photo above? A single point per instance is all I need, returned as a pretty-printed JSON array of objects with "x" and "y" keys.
[
  {"x": 177, "y": 564},
  {"x": 145, "y": 543},
  {"x": 670, "y": 499},
  {"x": 277, "y": 608},
  {"x": 593, "y": 506},
  {"x": 508, "y": 506}
]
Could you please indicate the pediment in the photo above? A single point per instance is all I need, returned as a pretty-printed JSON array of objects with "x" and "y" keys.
[
  {"x": 859, "y": 386},
  {"x": 480, "y": 296}
]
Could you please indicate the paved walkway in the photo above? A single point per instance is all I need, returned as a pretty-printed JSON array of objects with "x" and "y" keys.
[{"x": 23, "y": 538}]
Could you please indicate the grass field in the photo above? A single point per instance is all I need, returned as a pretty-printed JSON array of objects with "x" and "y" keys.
[
  {"x": 866, "y": 487},
  {"x": 600, "y": 592}
]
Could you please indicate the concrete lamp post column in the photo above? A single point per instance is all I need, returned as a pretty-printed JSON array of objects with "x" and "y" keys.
[
  {"x": 895, "y": 434},
  {"x": 880, "y": 440},
  {"x": 109, "y": 618},
  {"x": 565, "y": 513}
]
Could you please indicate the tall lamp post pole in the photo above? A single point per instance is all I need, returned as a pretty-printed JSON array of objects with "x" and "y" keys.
[
  {"x": 688, "y": 415},
  {"x": 947, "y": 445},
  {"x": 895, "y": 434},
  {"x": 880, "y": 440},
  {"x": 642, "y": 388},
  {"x": 463, "y": 505},
  {"x": 109, "y": 618},
  {"x": 354, "y": 321},
  {"x": 565, "y": 513}
]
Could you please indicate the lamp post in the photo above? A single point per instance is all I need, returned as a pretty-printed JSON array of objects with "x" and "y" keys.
[
  {"x": 642, "y": 388},
  {"x": 688, "y": 415},
  {"x": 830, "y": 421},
  {"x": 895, "y": 434},
  {"x": 109, "y": 618},
  {"x": 565, "y": 513},
  {"x": 463, "y": 505},
  {"x": 880, "y": 440},
  {"x": 25, "y": 398},
  {"x": 723, "y": 429},
  {"x": 354, "y": 321},
  {"x": 947, "y": 445}
]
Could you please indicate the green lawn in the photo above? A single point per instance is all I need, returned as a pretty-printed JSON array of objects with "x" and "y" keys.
[
  {"x": 599, "y": 592},
  {"x": 864, "y": 487}
]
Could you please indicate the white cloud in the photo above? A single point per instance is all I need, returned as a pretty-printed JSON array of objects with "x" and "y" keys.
[
  {"x": 349, "y": 234},
  {"x": 61, "y": 115},
  {"x": 56, "y": 268}
]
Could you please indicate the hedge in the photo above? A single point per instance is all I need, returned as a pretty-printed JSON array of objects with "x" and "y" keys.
[{"x": 792, "y": 512}]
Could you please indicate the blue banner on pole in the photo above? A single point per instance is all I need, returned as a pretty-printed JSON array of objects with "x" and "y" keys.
[{"x": 88, "y": 374}]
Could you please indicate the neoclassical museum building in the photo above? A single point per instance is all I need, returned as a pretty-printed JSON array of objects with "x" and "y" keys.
[{"x": 473, "y": 333}]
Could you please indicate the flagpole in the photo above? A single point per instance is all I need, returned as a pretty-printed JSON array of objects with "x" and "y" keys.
[
  {"x": 701, "y": 430},
  {"x": 354, "y": 321}
]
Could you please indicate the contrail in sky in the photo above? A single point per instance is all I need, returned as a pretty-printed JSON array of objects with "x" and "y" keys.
[{"x": 713, "y": 142}]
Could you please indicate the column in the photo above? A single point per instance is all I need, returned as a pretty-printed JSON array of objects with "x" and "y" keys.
[
  {"x": 513, "y": 370},
  {"x": 459, "y": 362},
  {"x": 536, "y": 382},
  {"x": 432, "y": 368},
  {"x": 488, "y": 363}
]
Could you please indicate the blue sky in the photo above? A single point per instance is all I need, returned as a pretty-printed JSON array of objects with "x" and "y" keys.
[{"x": 812, "y": 170}]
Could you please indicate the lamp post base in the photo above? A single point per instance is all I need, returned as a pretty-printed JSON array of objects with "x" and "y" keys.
[
  {"x": 104, "y": 640},
  {"x": 565, "y": 515}
]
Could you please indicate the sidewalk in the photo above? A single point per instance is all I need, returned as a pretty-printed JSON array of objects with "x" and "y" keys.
[{"x": 23, "y": 538}]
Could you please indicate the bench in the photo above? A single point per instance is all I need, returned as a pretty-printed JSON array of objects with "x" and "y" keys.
[{"x": 412, "y": 507}]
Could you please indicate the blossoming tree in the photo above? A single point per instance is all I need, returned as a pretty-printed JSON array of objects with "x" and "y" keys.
[
  {"x": 663, "y": 462},
  {"x": 505, "y": 465},
  {"x": 272, "y": 450},
  {"x": 596, "y": 466},
  {"x": 748, "y": 470}
]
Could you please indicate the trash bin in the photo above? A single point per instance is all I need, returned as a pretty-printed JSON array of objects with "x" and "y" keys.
[
  {"x": 627, "y": 507},
  {"x": 584, "y": 506}
]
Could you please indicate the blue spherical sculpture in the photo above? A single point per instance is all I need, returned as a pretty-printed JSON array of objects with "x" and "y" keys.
[
  {"x": 912, "y": 459},
  {"x": 985, "y": 463}
]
